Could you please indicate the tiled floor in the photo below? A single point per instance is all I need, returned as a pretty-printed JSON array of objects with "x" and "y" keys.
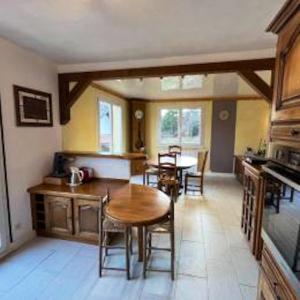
[{"x": 213, "y": 259}]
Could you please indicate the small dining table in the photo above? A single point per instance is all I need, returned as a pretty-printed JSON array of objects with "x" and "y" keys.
[
  {"x": 183, "y": 162},
  {"x": 137, "y": 206}
]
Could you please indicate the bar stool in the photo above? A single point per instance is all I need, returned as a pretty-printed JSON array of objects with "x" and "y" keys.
[{"x": 106, "y": 227}]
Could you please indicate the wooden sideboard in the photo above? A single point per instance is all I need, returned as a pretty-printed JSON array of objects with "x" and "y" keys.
[
  {"x": 252, "y": 209},
  {"x": 239, "y": 168},
  {"x": 70, "y": 213}
]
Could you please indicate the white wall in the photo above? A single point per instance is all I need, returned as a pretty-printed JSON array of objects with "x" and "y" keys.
[{"x": 29, "y": 151}]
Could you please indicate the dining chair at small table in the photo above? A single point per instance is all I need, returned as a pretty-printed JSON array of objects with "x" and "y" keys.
[
  {"x": 147, "y": 173},
  {"x": 165, "y": 226},
  {"x": 106, "y": 227},
  {"x": 198, "y": 177},
  {"x": 175, "y": 149}
]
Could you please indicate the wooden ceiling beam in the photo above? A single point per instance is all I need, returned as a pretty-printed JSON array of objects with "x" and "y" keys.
[
  {"x": 258, "y": 84},
  {"x": 245, "y": 68},
  {"x": 203, "y": 68}
]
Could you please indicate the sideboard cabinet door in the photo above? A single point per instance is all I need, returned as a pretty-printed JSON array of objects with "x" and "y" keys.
[
  {"x": 86, "y": 219},
  {"x": 58, "y": 215}
]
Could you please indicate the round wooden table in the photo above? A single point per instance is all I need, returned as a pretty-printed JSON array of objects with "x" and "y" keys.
[
  {"x": 138, "y": 205},
  {"x": 182, "y": 162}
]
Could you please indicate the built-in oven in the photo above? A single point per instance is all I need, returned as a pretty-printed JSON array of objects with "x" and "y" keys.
[{"x": 281, "y": 215}]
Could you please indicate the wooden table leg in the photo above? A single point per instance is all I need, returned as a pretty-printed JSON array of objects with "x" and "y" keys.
[{"x": 140, "y": 243}]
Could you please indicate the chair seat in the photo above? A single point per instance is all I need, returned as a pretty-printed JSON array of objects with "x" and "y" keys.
[
  {"x": 194, "y": 174},
  {"x": 110, "y": 226},
  {"x": 163, "y": 227}
]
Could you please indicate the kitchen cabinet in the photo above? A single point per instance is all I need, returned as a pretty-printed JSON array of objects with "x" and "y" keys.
[
  {"x": 58, "y": 215},
  {"x": 71, "y": 213},
  {"x": 86, "y": 223},
  {"x": 252, "y": 207},
  {"x": 239, "y": 168},
  {"x": 286, "y": 98},
  {"x": 272, "y": 282}
]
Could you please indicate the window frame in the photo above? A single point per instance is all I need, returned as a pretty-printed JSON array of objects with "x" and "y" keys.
[
  {"x": 112, "y": 103},
  {"x": 179, "y": 142}
]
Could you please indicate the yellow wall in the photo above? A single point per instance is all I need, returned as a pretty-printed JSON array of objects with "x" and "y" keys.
[
  {"x": 81, "y": 133},
  {"x": 252, "y": 123}
]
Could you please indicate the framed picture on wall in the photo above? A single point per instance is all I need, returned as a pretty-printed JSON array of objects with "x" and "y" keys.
[{"x": 33, "y": 108}]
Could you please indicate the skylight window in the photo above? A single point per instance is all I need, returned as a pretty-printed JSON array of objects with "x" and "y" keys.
[
  {"x": 170, "y": 83},
  {"x": 186, "y": 82},
  {"x": 192, "y": 82}
]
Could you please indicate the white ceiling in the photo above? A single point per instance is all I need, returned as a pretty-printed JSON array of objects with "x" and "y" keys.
[
  {"x": 82, "y": 31},
  {"x": 214, "y": 85}
]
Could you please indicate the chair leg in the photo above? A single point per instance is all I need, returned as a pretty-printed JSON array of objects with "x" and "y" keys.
[
  {"x": 148, "y": 179},
  {"x": 144, "y": 251},
  {"x": 185, "y": 183},
  {"x": 144, "y": 178},
  {"x": 201, "y": 187},
  {"x": 172, "y": 240},
  {"x": 100, "y": 253},
  {"x": 292, "y": 195},
  {"x": 127, "y": 246}
]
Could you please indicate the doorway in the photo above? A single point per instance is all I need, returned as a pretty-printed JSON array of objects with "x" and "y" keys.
[
  {"x": 223, "y": 136},
  {"x": 4, "y": 216}
]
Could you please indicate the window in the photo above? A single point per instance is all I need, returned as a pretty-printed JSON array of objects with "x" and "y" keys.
[
  {"x": 180, "y": 126},
  {"x": 110, "y": 127},
  {"x": 181, "y": 82}
]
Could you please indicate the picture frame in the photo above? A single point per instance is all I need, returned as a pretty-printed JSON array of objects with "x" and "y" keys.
[{"x": 33, "y": 107}]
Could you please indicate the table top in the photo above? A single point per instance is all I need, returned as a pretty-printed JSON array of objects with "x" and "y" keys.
[
  {"x": 183, "y": 161},
  {"x": 138, "y": 205},
  {"x": 91, "y": 190}
]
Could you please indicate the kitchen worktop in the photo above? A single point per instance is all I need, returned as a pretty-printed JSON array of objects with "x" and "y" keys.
[
  {"x": 127, "y": 156},
  {"x": 90, "y": 190}
]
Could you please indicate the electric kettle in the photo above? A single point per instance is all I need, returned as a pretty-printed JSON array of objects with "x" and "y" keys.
[{"x": 75, "y": 177}]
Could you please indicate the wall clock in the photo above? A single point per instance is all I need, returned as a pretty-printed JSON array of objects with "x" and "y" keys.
[
  {"x": 139, "y": 114},
  {"x": 224, "y": 115}
]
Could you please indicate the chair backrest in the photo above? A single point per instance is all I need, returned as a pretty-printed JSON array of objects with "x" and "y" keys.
[
  {"x": 103, "y": 202},
  {"x": 167, "y": 164},
  {"x": 175, "y": 149},
  {"x": 202, "y": 158}
]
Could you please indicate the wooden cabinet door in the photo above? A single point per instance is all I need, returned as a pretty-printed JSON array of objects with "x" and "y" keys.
[
  {"x": 251, "y": 210},
  {"x": 86, "y": 214},
  {"x": 58, "y": 215},
  {"x": 286, "y": 104}
]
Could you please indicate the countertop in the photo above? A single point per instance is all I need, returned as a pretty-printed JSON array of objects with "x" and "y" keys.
[
  {"x": 127, "y": 156},
  {"x": 90, "y": 190}
]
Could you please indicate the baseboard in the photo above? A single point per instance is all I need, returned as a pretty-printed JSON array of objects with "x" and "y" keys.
[{"x": 19, "y": 243}]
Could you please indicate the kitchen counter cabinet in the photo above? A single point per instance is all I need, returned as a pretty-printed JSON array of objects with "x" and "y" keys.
[{"x": 68, "y": 212}]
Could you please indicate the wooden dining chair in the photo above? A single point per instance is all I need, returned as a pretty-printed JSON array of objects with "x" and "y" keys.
[
  {"x": 197, "y": 185},
  {"x": 166, "y": 226},
  {"x": 167, "y": 179},
  {"x": 175, "y": 149},
  {"x": 106, "y": 227},
  {"x": 149, "y": 172}
]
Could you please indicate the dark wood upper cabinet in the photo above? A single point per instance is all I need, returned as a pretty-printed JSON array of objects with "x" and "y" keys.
[{"x": 286, "y": 101}]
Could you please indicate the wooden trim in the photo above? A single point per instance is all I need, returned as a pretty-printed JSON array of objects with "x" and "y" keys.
[
  {"x": 288, "y": 10},
  {"x": 77, "y": 91},
  {"x": 258, "y": 84},
  {"x": 82, "y": 78}
]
